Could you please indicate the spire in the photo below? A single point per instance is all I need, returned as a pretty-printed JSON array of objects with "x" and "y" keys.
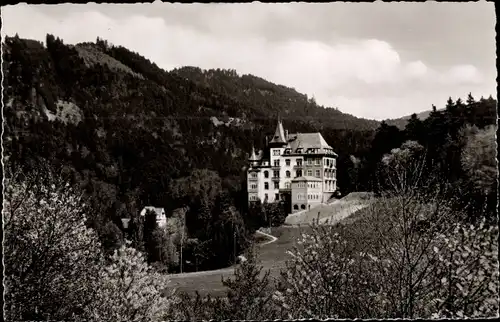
[
  {"x": 279, "y": 134},
  {"x": 253, "y": 156}
]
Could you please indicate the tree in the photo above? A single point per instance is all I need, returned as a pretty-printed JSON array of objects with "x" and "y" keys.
[
  {"x": 414, "y": 129},
  {"x": 129, "y": 290},
  {"x": 51, "y": 258},
  {"x": 402, "y": 170},
  {"x": 408, "y": 256},
  {"x": 478, "y": 158},
  {"x": 248, "y": 293},
  {"x": 466, "y": 277},
  {"x": 319, "y": 279}
]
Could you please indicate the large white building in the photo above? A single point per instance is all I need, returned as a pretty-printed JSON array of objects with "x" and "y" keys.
[{"x": 300, "y": 166}]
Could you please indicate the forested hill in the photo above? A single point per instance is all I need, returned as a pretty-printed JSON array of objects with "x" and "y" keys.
[
  {"x": 131, "y": 134},
  {"x": 403, "y": 121},
  {"x": 273, "y": 100}
]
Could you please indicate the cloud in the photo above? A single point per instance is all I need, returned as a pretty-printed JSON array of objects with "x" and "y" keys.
[{"x": 348, "y": 73}]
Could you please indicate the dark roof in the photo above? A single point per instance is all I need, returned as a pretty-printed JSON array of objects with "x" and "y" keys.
[
  {"x": 307, "y": 141},
  {"x": 279, "y": 134}
]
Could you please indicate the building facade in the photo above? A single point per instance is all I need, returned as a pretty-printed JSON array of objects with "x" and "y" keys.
[
  {"x": 161, "y": 218},
  {"x": 300, "y": 166}
]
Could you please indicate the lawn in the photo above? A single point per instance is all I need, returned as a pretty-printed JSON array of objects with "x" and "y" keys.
[{"x": 271, "y": 256}]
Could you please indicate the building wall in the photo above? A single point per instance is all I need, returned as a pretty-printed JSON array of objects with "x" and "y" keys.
[
  {"x": 274, "y": 192},
  {"x": 305, "y": 194},
  {"x": 284, "y": 183},
  {"x": 299, "y": 193},
  {"x": 254, "y": 183},
  {"x": 314, "y": 193}
]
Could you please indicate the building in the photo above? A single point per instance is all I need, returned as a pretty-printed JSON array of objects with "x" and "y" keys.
[
  {"x": 161, "y": 218},
  {"x": 300, "y": 166}
]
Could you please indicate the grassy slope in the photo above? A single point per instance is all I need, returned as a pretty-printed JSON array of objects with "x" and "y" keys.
[{"x": 333, "y": 212}]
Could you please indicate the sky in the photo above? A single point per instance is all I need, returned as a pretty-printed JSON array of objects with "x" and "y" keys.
[{"x": 372, "y": 60}]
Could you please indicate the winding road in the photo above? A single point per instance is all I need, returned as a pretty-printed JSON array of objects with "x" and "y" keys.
[{"x": 221, "y": 270}]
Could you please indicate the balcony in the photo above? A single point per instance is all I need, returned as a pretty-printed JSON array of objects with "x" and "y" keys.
[
  {"x": 298, "y": 167},
  {"x": 276, "y": 167},
  {"x": 253, "y": 190},
  {"x": 253, "y": 179},
  {"x": 275, "y": 178}
]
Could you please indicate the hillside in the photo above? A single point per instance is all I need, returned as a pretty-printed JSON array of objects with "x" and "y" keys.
[
  {"x": 402, "y": 121},
  {"x": 131, "y": 134},
  {"x": 273, "y": 100}
]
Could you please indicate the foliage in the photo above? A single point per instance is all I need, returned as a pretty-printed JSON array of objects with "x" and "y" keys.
[
  {"x": 402, "y": 261},
  {"x": 466, "y": 279},
  {"x": 248, "y": 297},
  {"x": 248, "y": 293},
  {"x": 318, "y": 279},
  {"x": 51, "y": 258},
  {"x": 479, "y": 158},
  {"x": 409, "y": 255},
  {"x": 129, "y": 290}
]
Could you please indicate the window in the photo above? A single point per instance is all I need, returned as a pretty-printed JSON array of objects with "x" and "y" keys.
[
  {"x": 318, "y": 173},
  {"x": 276, "y": 173},
  {"x": 266, "y": 174},
  {"x": 276, "y": 185},
  {"x": 287, "y": 151},
  {"x": 299, "y": 162},
  {"x": 295, "y": 207},
  {"x": 276, "y": 152},
  {"x": 266, "y": 196},
  {"x": 310, "y": 162},
  {"x": 299, "y": 150},
  {"x": 287, "y": 174},
  {"x": 318, "y": 161},
  {"x": 287, "y": 185},
  {"x": 299, "y": 173},
  {"x": 276, "y": 163},
  {"x": 302, "y": 206},
  {"x": 287, "y": 162},
  {"x": 277, "y": 196},
  {"x": 266, "y": 185},
  {"x": 253, "y": 175},
  {"x": 309, "y": 173},
  {"x": 253, "y": 186}
]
